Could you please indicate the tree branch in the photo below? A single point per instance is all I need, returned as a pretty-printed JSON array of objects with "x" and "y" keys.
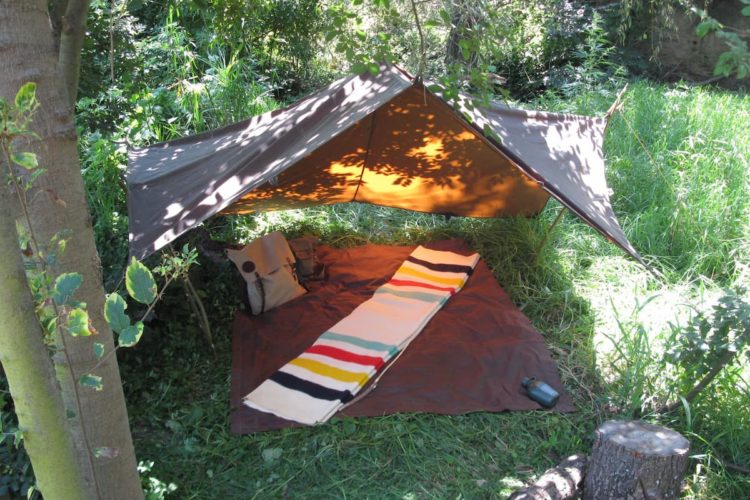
[
  {"x": 422, "y": 50},
  {"x": 56, "y": 12},
  {"x": 72, "y": 34},
  {"x": 723, "y": 361}
]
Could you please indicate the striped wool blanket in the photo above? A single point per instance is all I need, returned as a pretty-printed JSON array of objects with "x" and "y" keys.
[{"x": 316, "y": 384}]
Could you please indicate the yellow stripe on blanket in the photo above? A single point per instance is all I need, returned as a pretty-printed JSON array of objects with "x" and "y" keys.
[
  {"x": 459, "y": 282},
  {"x": 331, "y": 371}
]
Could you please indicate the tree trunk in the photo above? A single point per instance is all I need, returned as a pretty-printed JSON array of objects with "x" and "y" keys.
[
  {"x": 30, "y": 374},
  {"x": 72, "y": 33},
  {"x": 27, "y": 51},
  {"x": 563, "y": 482},
  {"x": 636, "y": 460}
]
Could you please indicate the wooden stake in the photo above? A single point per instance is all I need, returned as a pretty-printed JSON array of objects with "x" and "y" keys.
[
  {"x": 616, "y": 106},
  {"x": 200, "y": 311},
  {"x": 549, "y": 232}
]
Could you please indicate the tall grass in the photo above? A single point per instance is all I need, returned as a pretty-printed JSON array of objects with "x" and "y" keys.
[{"x": 678, "y": 166}]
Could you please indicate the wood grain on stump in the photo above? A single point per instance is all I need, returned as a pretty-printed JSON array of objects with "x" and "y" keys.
[{"x": 636, "y": 460}]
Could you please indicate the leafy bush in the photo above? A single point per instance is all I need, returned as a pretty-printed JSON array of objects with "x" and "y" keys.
[
  {"x": 16, "y": 474},
  {"x": 711, "y": 342}
]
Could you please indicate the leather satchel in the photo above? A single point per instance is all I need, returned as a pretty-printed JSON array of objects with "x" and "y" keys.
[{"x": 268, "y": 266}]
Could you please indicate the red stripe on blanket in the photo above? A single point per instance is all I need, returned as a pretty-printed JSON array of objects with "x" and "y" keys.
[
  {"x": 423, "y": 285},
  {"x": 342, "y": 355}
]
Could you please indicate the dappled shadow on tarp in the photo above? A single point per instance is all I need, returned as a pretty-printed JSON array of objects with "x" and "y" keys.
[
  {"x": 382, "y": 140},
  {"x": 174, "y": 186},
  {"x": 408, "y": 154}
]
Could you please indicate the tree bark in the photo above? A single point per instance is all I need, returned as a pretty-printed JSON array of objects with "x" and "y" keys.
[
  {"x": 563, "y": 482},
  {"x": 27, "y": 52},
  {"x": 30, "y": 374},
  {"x": 72, "y": 33},
  {"x": 636, "y": 460}
]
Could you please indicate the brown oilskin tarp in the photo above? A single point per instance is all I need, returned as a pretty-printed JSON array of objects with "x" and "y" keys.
[
  {"x": 470, "y": 357},
  {"x": 382, "y": 139}
]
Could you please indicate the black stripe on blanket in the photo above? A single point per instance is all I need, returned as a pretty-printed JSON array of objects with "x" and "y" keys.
[
  {"x": 446, "y": 268},
  {"x": 310, "y": 388}
]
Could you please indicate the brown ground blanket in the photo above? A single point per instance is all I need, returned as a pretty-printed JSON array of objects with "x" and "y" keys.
[{"x": 470, "y": 357}]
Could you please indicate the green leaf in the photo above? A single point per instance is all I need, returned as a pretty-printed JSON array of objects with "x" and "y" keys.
[
  {"x": 65, "y": 285},
  {"x": 98, "y": 350},
  {"x": 706, "y": 27},
  {"x": 358, "y": 68},
  {"x": 26, "y": 160},
  {"x": 114, "y": 312},
  {"x": 140, "y": 282},
  {"x": 78, "y": 323},
  {"x": 26, "y": 96},
  {"x": 92, "y": 381},
  {"x": 746, "y": 11},
  {"x": 131, "y": 335},
  {"x": 50, "y": 325},
  {"x": 374, "y": 68}
]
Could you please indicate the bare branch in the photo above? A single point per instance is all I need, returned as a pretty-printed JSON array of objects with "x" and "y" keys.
[{"x": 422, "y": 50}]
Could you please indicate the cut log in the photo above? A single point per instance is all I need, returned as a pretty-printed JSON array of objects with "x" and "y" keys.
[
  {"x": 636, "y": 460},
  {"x": 559, "y": 483}
]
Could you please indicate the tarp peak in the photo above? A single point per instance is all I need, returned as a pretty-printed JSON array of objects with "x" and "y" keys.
[{"x": 384, "y": 139}]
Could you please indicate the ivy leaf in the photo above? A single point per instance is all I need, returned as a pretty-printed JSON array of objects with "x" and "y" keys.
[
  {"x": 140, "y": 282},
  {"x": 131, "y": 335},
  {"x": 50, "y": 325},
  {"x": 114, "y": 312},
  {"x": 26, "y": 96},
  {"x": 98, "y": 350},
  {"x": 78, "y": 323},
  {"x": 26, "y": 160},
  {"x": 65, "y": 285},
  {"x": 91, "y": 381}
]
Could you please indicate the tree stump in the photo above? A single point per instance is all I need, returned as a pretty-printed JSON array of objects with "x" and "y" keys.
[
  {"x": 636, "y": 460},
  {"x": 559, "y": 483}
]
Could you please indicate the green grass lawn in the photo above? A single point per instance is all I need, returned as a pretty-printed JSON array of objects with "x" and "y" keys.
[{"x": 685, "y": 205}]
